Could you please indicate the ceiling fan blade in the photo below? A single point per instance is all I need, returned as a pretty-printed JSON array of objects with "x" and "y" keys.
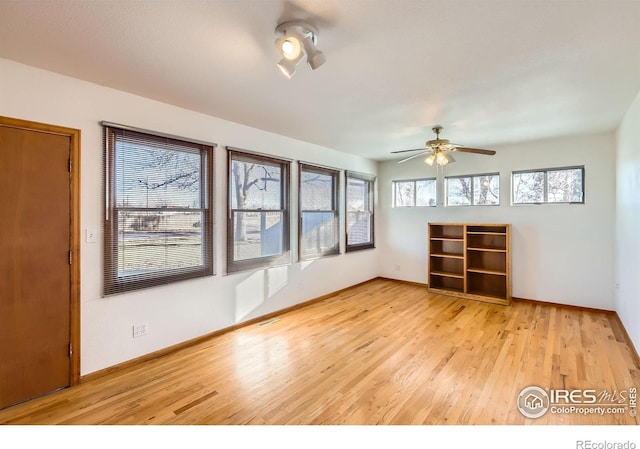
[
  {"x": 413, "y": 157},
  {"x": 474, "y": 150},
  {"x": 406, "y": 151}
]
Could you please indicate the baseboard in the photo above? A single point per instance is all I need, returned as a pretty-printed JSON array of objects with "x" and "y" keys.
[
  {"x": 415, "y": 284},
  {"x": 566, "y": 306},
  {"x": 179, "y": 346}
]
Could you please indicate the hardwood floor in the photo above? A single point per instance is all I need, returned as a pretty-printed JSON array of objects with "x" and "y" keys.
[{"x": 381, "y": 353}]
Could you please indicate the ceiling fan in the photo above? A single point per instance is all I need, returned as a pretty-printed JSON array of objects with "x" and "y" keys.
[{"x": 439, "y": 150}]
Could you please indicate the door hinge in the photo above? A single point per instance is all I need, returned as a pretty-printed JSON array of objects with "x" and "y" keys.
[
  {"x": 70, "y": 165},
  {"x": 70, "y": 257},
  {"x": 70, "y": 349}
]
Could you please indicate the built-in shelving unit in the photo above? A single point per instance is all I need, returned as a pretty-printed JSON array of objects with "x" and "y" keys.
[{"x": 471, "y": 261}]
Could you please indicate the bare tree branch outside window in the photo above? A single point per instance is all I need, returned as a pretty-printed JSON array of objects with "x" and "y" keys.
[
  {"x": 474, "y": 190},
  {"x": 258, "y": 226},
  {"x": 558, "y": 185}
]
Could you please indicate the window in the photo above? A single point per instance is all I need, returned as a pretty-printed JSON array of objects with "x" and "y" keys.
[
  {"x": 258, "y": 223},
  {"x": 553, "y": 185},
  {"x": 359, "y": 205},
  {"x": 318, "y": 224},
  {"x": 414, "y": 192},
  {"x": 158, "y": 215},
  {"x": 473, "y": 190}
]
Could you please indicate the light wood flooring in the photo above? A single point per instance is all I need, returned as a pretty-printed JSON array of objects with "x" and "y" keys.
[{"x": 383, "y": 352}]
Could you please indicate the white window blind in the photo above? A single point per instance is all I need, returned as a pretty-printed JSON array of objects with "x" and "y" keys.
[{"x": 318, "y": 223}]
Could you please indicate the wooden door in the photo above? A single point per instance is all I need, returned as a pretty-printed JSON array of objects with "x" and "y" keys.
[{"x": 35, "y": 273}]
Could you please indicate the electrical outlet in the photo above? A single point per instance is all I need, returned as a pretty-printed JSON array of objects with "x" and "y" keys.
[
  {"x": 140, "y": 330},
  {"x": 398, "y": 268},
  {"x": 91, "y": 236}
]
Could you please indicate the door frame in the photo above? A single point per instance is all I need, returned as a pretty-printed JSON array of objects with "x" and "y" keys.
[{"x": 74, "y": 231}]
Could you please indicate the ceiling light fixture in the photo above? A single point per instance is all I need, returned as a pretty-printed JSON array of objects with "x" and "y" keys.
[
  {"x": 439, "y": 150},
  {"x": 439, "y": 157},
  {"x": 296, "y": 40}
]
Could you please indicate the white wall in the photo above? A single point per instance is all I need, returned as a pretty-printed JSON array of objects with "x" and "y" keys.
[
  {"x": 627, "y": 300},
  {"x": 187, "y": 309},
  {"x": 561, "y": 253}
]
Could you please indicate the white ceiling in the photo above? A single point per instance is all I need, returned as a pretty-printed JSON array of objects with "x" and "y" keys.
[{"x": 490, "y": 72}]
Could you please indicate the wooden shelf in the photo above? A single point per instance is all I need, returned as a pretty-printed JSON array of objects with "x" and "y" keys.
[
  {"x": 471, "y": 261},
  {"x": 446, "y": 231},
  {"x": 494, "y": 250},
  {"x": 448, "y": 274},
  {"x": 485, "y": 271},
  {"x": 447, "y": 291},
  {"x": 452, "y": 255}
]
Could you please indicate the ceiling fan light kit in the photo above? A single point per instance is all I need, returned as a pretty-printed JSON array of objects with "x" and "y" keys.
[
  {"x": 439, "y": 150},
  {"x": 297, "y": 39}
]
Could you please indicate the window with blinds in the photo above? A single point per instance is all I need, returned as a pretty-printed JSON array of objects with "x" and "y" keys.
[
  {"x": 318, "y": 220},
  {"x": 359, "y": 207},
  {"x": 158, "y": 215},
  {"x": 258, "y": 221}
]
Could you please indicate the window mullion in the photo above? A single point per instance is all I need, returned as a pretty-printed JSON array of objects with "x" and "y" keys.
[
  {"x": 545, "y": 194},
  {"x": 415, "y": 193}
]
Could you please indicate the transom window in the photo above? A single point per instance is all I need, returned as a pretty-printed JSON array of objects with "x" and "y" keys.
[
  {"x": 158, "y": 214},
  {"x": 553, "y": 185},
  {"x": 414, "y": 193},
  {"x": 473, "y": 190},
  {"x": 359, "y": 206},
  {"x": 318, "y": 224},
  {"x": 258, "y": 224}
]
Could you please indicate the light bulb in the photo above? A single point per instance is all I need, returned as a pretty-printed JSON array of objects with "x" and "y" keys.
[
  {"x": 290, "y": 48},
  {"x": 442, "y": 159},
  {"x": 430, "y": 159}
]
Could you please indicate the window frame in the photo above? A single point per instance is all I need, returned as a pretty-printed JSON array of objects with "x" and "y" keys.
[
  {"x": 545, "y": 196},
  {"x": 335, "y": 175},
  {"x": 115, "y": 284},
  {"x": 472, "y": 176},
  {"x": 415, "y": 190},
  {"x": 285, "y": 204},
  {"x": 370, "y": 180}
]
